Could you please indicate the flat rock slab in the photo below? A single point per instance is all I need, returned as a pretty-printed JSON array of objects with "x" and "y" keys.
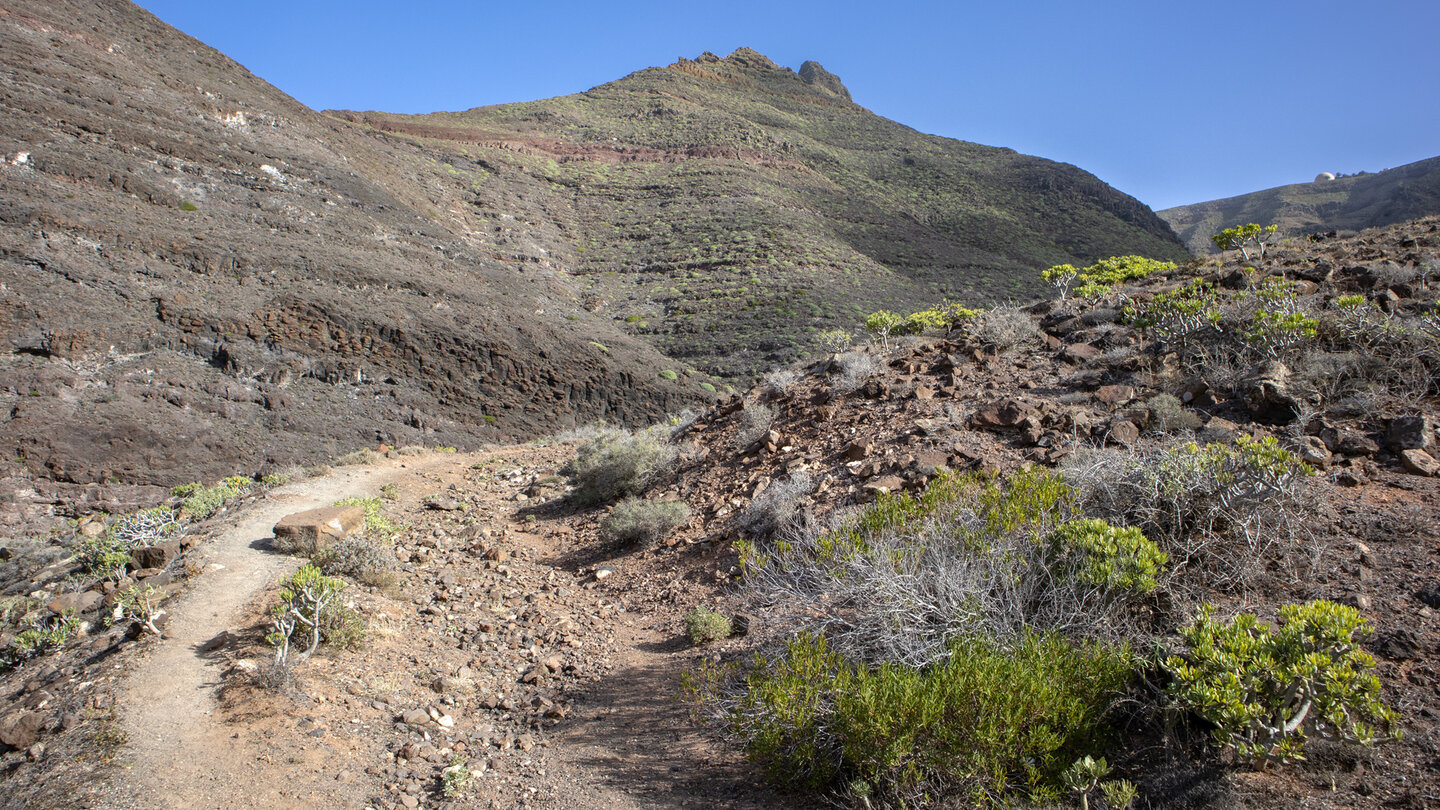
[{"x": 314, "y": 529}]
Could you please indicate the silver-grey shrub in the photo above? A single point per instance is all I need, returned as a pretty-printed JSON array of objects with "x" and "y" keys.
[
  {"x": 777, "y": 508},
  {"x": 618, "y": 463},
  {"x": 643, "y": 522}
]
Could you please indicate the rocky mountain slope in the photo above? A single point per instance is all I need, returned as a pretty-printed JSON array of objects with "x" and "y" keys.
[
  {"x": 516, "y": 639},
  {"x": 729, "y": 208},
  {"x": 1348, "y": 203},
  {"x": 198, "y": 276}
]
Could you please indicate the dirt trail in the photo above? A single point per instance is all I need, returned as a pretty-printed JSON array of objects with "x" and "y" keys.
[{"x": 181, "y": 756}]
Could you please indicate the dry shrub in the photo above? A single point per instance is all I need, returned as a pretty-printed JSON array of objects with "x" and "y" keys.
[
  {"x": 780, "y": 380},
  {"x": 363, "y": 559},
  {"x": 1222, "y": 511},
  {"x": 1007, "y": 328},
  {"x": 777, "y": 508},
  {"x": 643, "y": 522},
  {"x": 856, "y": 368},
  {"x": 618, "y": 463},
  {"x": 900, "y": 580},
  {"x": 755, "y": 421}
]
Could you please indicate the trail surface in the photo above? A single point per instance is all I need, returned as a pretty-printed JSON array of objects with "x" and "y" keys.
[{"x": 181, "y": 755}]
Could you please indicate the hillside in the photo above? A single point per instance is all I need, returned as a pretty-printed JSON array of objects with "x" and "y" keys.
[
  {"x": 521, "y": 648},
  {"x": 1349, "y": 203},
  {"x": 199, "y": 278},
  {"x": 728, "y": 208}
]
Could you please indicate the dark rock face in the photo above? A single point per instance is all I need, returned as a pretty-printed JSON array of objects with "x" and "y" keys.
[
  {"x": 203, "y": 276},
  {"x": 813, "y": 74}
]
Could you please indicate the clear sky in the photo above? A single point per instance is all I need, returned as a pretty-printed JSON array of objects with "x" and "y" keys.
[{"x": 1172, "y": 102}]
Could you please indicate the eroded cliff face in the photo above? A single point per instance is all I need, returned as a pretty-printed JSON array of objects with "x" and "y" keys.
[{"x": 201, "y": 276}]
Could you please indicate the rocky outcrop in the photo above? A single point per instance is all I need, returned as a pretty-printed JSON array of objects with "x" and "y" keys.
[{"x": 815, "y": 75}]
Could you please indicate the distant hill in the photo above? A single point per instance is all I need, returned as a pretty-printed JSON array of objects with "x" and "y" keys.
[
  {"x": 1348, "y": 203},
  {"x": 729, "y": 208}
]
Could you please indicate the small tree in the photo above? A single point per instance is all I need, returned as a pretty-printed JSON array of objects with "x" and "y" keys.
[
  {"x": 883, "y": 323},
  {"x": 1244, "y": 237},
  {"x": 1062, "y": 276},
  {"x": 304, "y": 597}
]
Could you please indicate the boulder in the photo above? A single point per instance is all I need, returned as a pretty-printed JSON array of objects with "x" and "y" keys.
[
  {"x": 1115, "y": 394},
  {"x": 21, "y": 730},
  {"x": 1420, "y": 462},
  {"x": 1411, "y": 433},
  {"x": 156, "y": 556},
  {"x": 1266, "y": 392},
  {"x": 1007, "y": 414},
  {"x": 75, "y": 602},
  {"x": 314, "y": 529}
]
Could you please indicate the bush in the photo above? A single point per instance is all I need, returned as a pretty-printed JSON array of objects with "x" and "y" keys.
[
  {"x": 1106, "y": 557},
  {"x": 1006, "y": 328},
  {"x": 1168, "y": 414},
  {"x": 704, "y": 625},
  {"x": 1265, "y": 690},
  {"x": 990, "y": 721},
  {"x": 777, "y": 508},
  {"x": 855, "y": 369},
  {"x": 780, "y": 380},
  {"x": 364, "y": 559},
  {"x": 899, "y": 580},
  {"x": 644, "y": 522},
  {"x": 201, "y": 501},
  {"x": 755, "y": 422},
  {"x": 667, "y": 374},
  {"x": 1220, "y": 509},
  {"x": 617, "y": 463},
  {"x": 834, "y": 340},
  {"x": 307, "y": 597},
  {"x": 1245, "y": 237}
]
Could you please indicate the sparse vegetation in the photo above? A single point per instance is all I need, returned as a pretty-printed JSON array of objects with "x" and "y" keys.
[
  {"x": 703, "y": 625},
  {"x": 777, "y": 508},
  {"x": 642, "y": 522},
  {"x": 617, "y": 463}
]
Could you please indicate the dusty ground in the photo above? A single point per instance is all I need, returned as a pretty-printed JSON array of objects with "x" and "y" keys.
[{"x": 492, "y": 593}]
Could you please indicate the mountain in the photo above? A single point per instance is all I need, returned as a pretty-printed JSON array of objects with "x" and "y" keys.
[
  {"x": 729, "y": 208},
  {"x": 200, "y": 276},
  {"x": 1329, "y": 203}
]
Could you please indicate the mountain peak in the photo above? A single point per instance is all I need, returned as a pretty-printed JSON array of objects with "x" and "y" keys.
[
  {"x": 747, "y": 57},
  {"x": 814, "y": 74}
]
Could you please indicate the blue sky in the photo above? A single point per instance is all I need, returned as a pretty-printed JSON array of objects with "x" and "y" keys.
[{"x": 1171, "y": 102}]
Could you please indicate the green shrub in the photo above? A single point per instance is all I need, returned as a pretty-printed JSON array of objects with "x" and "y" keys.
[
  {"x": 1265, "y": 690},
  {"x": 1168, "y": 414},
  {"x": 704, "y": 625},
  {"x": 1061, "y": 276},
  {"x": 307, "y": 598},
  {"x": 643, "y": 522},
  {"x": 341, "y": 627},
  {"x": 708, "y": 387},
  {"x": 1100, "y": 277},
  {"x": 43, "y": 636},
  {"x": 667, "y": 374},
  {"x": 617, "y": 463},
  {"x": 1106, "y": 557},
  {"x": 1175, "y": 319},
  {"x": 201, "y": 501},
  {"x": 834, "y": 340},
  {"x": 990, "y": 721},
  {"x": 186, "y": 205}
]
